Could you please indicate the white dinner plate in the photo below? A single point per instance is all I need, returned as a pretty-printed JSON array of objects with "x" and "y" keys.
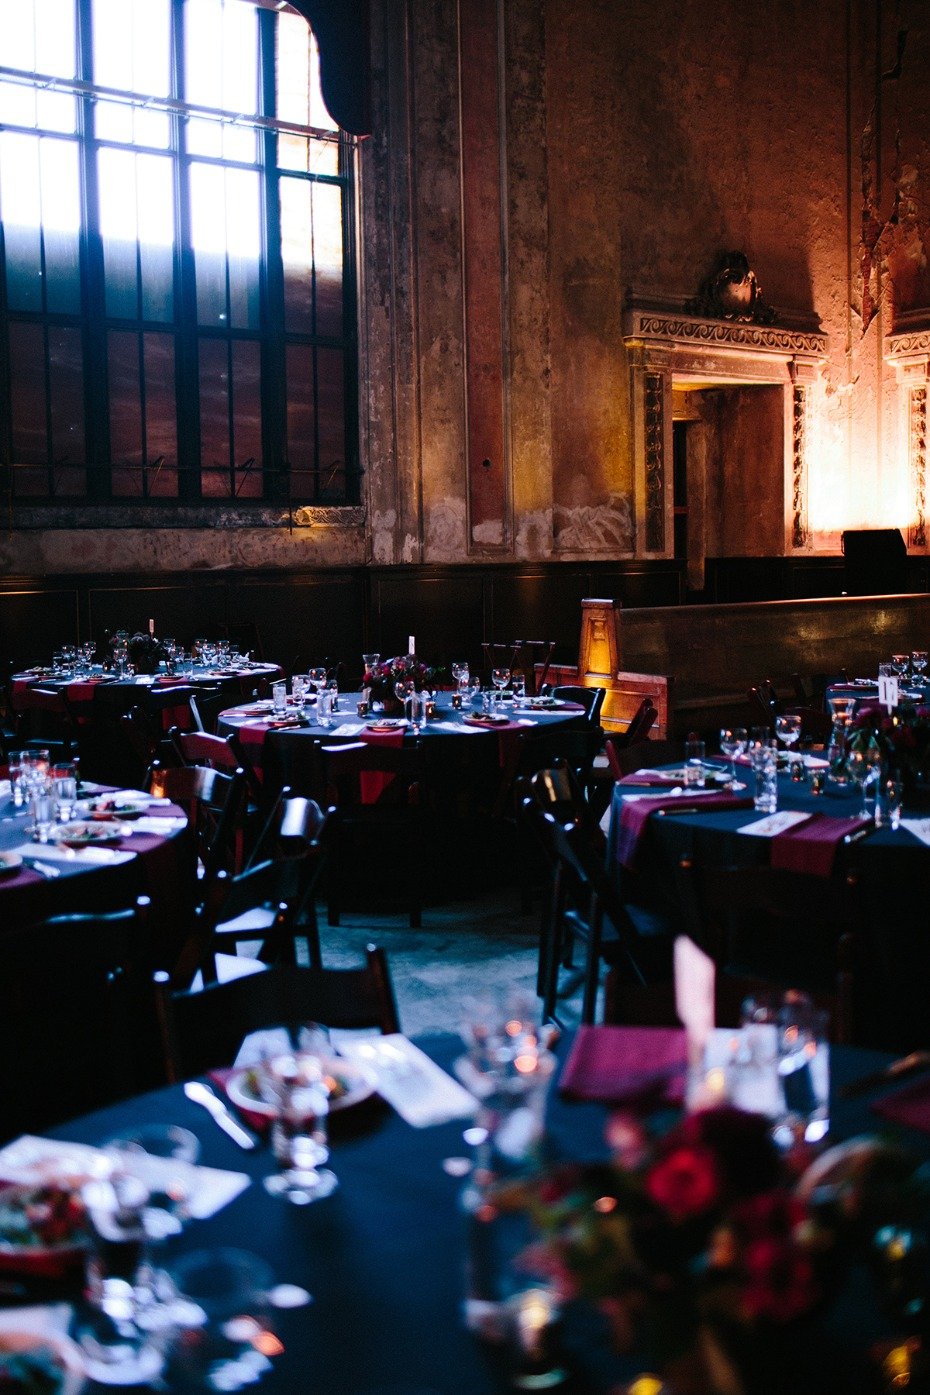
[
  {"x": 61, "y": 1350},
  {"x": 9, "y": 862},
  {"x": 355, "y": 1083}
]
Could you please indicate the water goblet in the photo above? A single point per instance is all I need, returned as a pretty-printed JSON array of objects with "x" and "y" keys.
[
  {"x": 500, "y": 677},
  {"x": 730, "y": 747},
  {"x": 293, "y": 1083},
  {"x": 918, "y": 664},
  {"x": 788, "y": 728},
  {"x": 317, "y": 677},
  {"x": 461, "y": 674},
  {"x": 899, "y": 663}
]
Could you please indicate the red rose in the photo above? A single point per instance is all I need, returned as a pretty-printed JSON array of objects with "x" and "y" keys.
[
  {"x": 779, "y": 1279},
  {"x": 684, "y": 1182}
]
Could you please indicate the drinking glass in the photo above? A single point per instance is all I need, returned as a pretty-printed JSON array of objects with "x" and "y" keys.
[
  {"x": 500, "y": 677},
  {"x": 694, "y": 764},
  {"x": 730, "y": 746},
  {"x": 300, "y": 684},
  {"x": 899, "y": 663},
  {"x": 318, "y": 677},
  {"x": 16, "y": 761},
  {"x": 863, "y": 765},
  {"x": 324, "y": 707},
  {"x": 889, "y": 801},
  {"x": 63, "y": 779},
  {"x": 279, "y": 699},
  {"x": 788, "y": 728},
  {"x": 293, "y": 1083},
  {"x": 42, "y": 809},
  {"x": 116, "y": 1350},
  {"x": 765, "y": 778},
  {"x": 804, "y": 1070},
  {"x": 370, "y": 661},
  {"x": 461, "y": 674},
  {"x": 918, "y": 664},
  {"x": 163, "y": 1157},
  {"x": 518, "y": 685}
]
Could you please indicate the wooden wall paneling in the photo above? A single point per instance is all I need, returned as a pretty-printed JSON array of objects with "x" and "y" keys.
[
  {"x": 36, "y": 620},
  {"x": 307, "y": 618},
  {"x": 184, "y": 608},
  {"x": 441, "y": 609},
  {"x": 532, "y": 603}
]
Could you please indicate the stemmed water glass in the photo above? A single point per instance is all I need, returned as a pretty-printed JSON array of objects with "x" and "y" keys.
[
  {"x": 500, "y": 677},
  {"x": 918, "y": 664},
  {"x": 461, "y": 674},
  {"x": 733, "y": 742},
  {"x": 318, "y": 677},
  {"x": 788, "y": 728}
]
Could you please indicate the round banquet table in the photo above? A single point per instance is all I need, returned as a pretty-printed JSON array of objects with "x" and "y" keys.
[
  {"x": 384, "y": 1257},
  {"x": 866, "y": 690},
  {"x": 123, "y": 693},
  {"x": 893, "y": 867},
  {"x": 160, "y": 867},
  {"x": 449, "y": 740}
]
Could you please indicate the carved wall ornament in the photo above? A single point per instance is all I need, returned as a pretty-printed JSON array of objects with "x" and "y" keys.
[
  {"x": 799, "y": 467},
  {"x": 917, "y": 423},
  {"x": 732, "y": 292},
  {"x": 655, "y": 463}
]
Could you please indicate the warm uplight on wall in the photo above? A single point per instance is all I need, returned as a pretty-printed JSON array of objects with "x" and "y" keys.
[{"x": 847, "y": 486}]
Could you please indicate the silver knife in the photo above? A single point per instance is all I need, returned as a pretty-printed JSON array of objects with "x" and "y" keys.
[
  {"x": 203, "y": 1095},
  {"x": 45, "y": 869}
]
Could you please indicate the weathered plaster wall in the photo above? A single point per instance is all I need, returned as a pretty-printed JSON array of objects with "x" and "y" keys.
[{"x": 637, "y": 141}]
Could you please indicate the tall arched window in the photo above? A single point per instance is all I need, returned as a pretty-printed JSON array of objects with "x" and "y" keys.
[{"x": 177, "y": 299}]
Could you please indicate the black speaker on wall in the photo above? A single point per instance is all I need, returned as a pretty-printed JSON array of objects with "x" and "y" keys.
[{"x": 876, "y": 561}]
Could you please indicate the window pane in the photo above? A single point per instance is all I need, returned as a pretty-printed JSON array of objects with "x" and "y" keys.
[
  {"x": 301, "y": 422},
  {"x": 125, "y": 412},
  {"x": 330, "y": 407},
  {"x": 221, "y": 70},
  {"x": 225, "y": 215},
  {"x": 39, "y": 36},
  {"x": 27, "y": 392},
  {"x": 327, "y": 258},
  {"x": 247, "y": 416},
  {"x": 39, "y": 192},
  {"x": 214, "y": 418},
  {"x": 297, "y": 254},
  {"x": 137, "y": 201},
  {"x": 66, "y": 382},
  {"x": 132, "y": 51},
  {"x": 161, "y": 437},
  {"x": 299, "y": 99}
]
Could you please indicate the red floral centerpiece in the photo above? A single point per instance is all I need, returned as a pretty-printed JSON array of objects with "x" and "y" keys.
[
  {"x": 382, "y": 678},
  {"x": 707, "y": 1251},
  {"x": 902, "y": 736}
]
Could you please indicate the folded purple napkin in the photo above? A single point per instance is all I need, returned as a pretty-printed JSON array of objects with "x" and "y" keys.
[
  {"x": 811, "y": 847},
  {"x": 636, "y": 814},
  {"x": 626, "y": 1065}
]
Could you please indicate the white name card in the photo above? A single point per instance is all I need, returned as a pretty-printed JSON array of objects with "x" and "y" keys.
[{"x": 888, "y": 690}]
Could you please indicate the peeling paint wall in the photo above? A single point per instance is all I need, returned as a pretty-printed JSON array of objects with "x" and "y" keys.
[{"x": 638, "y": 141}]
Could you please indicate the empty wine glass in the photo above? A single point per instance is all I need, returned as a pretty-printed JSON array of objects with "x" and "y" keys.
[
  {"x": 863, "y": 765},
  {"x": 370, "y": 661},
  {"x": 461, "y": 674},
  {"x": 500, "y": 677},
  {"x": 918, "y": 664},
  {"x": 731, "y": 746},
  {"x": 788, "y": 728},
  {"x": 293, "y": 1083},
  {"x": 318, "y": 677}
]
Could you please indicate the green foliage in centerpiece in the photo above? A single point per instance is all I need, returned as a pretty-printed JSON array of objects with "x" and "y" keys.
[
  {"x": 902, "y": 736},
  {"x": 384, "y": 675}
]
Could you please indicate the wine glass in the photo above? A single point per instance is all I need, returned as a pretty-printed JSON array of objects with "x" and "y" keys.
[
  {"x": 318, "y": 677},
  {"x": 730, "y": 746},
  {"x": 863, "y": 765},
  {"x": 370, "y": 661},
  {"x": 461, "y": 674},
  {"x": 788, "y": 728},
  {"x": 500, "y": 677},
  {"x": 163, "y": 1157},
  {"x": 293, "y": 1083},
  {"x": 918, "y": 664}
]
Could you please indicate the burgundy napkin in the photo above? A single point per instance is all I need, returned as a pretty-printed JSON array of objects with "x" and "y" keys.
[
  {"x": 623, "y": 1065},
  {"x": 373, "y": 783},
  {"x": 910, "y": 1106},
  {"x": 636, "y": 812},
  {"x": 811, "y": 847}
]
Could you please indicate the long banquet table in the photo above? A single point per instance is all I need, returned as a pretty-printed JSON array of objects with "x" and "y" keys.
[{"x": 384, "y": 1257}]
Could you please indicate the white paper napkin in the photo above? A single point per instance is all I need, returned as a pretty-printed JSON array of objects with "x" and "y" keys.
[
  {"x": 153, "y": 824},
  {"x": 775, "y": 823},
  {"x": 77, "y": 857},
  {"x": 455, "y": 726},
  {"x": 29, "y": 1159},
  {"x": 421, "y": 1092},
  {"x": 348, "y": 729},
  {"x": 920, "y": 828}
]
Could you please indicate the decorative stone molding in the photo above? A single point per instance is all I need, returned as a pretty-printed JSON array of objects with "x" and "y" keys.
[
  {"x": 666, "y": 343},
  {"x": 909, "y": 354}
]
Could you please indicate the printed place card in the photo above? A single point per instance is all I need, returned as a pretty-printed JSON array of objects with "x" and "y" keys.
[
  {"x": 920, "y": 828},
  {"x": 775, "y": 823}
]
